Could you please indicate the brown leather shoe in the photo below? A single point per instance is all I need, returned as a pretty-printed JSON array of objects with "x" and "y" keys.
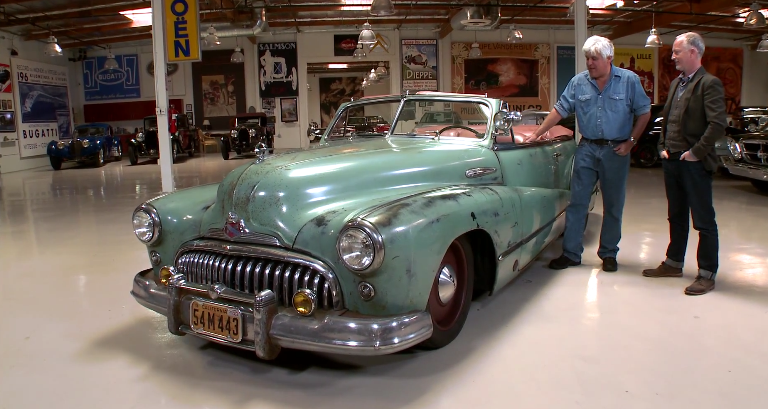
[
  {"x": 663, "y": 270},
  {"x": 700, "y": 286}
]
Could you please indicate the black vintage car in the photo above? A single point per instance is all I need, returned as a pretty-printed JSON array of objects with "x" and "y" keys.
[
  {"x": 747, "y": 156},
  {"x": 645, "y": 153},
  {"x": 249, "y": 135},
  {"x": 146, "y": 144}
]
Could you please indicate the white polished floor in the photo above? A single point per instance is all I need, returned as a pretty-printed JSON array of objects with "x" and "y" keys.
[{"x": 71, "y": 336}]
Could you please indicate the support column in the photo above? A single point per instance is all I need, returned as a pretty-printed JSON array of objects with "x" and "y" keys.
[
  {"x": 161, "y": 96},
  {"x": 580, "y": 31}
]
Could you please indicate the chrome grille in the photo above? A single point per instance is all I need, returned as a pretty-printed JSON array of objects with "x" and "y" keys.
[
  {"x": 755, "y": 151},
  {"x": 76, "y": 146},
  {"x": 251, "y": 274}
]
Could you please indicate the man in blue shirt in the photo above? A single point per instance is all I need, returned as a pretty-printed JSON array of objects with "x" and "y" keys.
[{"x": 606, "y": 100}]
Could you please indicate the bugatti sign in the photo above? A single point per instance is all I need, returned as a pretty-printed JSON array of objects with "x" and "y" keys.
[
  {"x": 100, "y": 84},
  {"x": 182, "y": 30}
]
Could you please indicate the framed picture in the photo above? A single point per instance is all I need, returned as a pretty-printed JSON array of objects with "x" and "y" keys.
[
  {"x": 10, "y": 104},
  {"x": 190, "y": 118},
  {"x": 7, "y": 122},
  {"x": 289, "y": 110},
  {"x": 3, "y": 105},
  {"x": 422, "y": 104},
  {"x": 189, "y": 107}
]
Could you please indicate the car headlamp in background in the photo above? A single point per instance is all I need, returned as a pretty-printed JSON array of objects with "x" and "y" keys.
[
  {"x": 140, "y": 137},
  {"x": 360, "y": 247},
  {"x": 86, "y": 143},
  {"x": 146, "y": 224},
  {"x": 60, "y": 144},
  {"x": 734, "y": 148}
]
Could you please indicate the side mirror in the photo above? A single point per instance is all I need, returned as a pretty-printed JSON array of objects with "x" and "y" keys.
[{"x": 503, "y": 120}]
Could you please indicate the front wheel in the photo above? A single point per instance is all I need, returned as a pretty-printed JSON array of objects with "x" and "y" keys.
[
  {"x": 646, "y": 156},
  {"x": 225, "y": 150},
  {"x": 760, "y": 185},
  {"x": 56, "y": 162},
  {"x": 133, "y": 156},
  {"x": 451, "y": 294}
]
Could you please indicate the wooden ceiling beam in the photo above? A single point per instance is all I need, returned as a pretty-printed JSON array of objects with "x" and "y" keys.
[
  {"x": 662, "y": 20},
  {"x": 83, "y": 30},
  {"x": 59, "y": 15},
  {"x": 110, "y": 40}
]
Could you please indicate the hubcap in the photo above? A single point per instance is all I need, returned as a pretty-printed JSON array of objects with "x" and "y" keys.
[{"x": 446, "y": 284}]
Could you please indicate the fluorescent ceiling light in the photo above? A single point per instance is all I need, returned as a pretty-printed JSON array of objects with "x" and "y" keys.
[
  {"x": 356, "y": 5},
  {"x": 140, "y": 17},
  {"x": 601, "y": 4},
  {"x": 338, "y": 65}
]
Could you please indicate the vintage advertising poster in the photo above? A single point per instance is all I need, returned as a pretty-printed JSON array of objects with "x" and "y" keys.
[
  {"x": 724, "y": 63},
  {"x": 336, "y": 90},
  {"x": 640, "y": 61},
  {"x": 5, "y": 79},
  {"x": 516, "y": 73},
  {"x": 219, "y": 95},
  {"x": 278, "y": 63},
  {"x": 43, "y": 99},
  {"x": 101, "y": 84},
  {"x": 419, "y": 65},
  {"x": 344, "y": 45},
  {"x": 566, "y": 66}
]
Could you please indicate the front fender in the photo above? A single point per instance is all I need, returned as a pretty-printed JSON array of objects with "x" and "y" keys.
[
  {"x": 416, "y": 231},
  {"x": 53, "y": 150},
  {"x": 181, "y": 215}
]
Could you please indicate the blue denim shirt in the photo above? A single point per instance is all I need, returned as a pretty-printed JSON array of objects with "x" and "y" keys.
[{"x": 608, "y": 114}]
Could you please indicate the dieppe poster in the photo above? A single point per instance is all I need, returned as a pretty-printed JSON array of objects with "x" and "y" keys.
[
  {"x": 419, "y": 65},
  {"x": 42, "y": 96},
  {"x": 101, "y": 84}
]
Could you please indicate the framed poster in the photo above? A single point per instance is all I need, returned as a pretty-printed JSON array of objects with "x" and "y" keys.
[
  {"x": 566, "y": 66},
  {"x": 191, "y": 118},
  {"x": 46, "y": 117},
  {"x": 344, "y": 45},
  {"x": 5, "y": 78},
  {"x": 7, "y": 122},
  {"x": 288, "y": 110},
  {"x": 189, "y": 108},
  {"x": 419, "y": 65},
  {"x": 278, "y": 64},
  {"x": 101, "y": 84}
]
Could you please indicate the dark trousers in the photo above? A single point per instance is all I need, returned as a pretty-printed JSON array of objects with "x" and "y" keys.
[{"x": 689, "y": 192}]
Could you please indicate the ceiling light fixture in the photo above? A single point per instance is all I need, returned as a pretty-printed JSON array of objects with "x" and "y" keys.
[
  {"x": 755, "y": 19},
  {"x": 237, "y": 56},
  {"x": 653, "y": 40},
  {"x": 111, "y": 63},
  {"x": 52, "y": 49},
  {"x": 515, "y": 35},
  {"x": 381, "y": 71},
  {"x": 356, "y": 5},
  {"x": 367, "y": 36},
  {"x": 140, "y": 17},
  {"x": 359, "y": 53},
  {"x": 763, "y": 46},
  {"x": 212, "y": 39},
  {"x": 382, "y": 8},
  {"x": 372, "y": 77}
]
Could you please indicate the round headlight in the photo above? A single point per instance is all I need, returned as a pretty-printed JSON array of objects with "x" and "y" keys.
[
  {"x": 734, "y": 148},
  {"x": 140, "y": 137},
  {"x": 752, "y": 127},
  {"x": 146, "y": 224},
  {"x": 60, "y": 144},
  {"x": 360, "y": 247},
  {"x": 86, "y": 143}
]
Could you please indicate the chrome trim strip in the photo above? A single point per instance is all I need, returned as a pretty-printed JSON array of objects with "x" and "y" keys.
[
  {"x": 331, "y": 334},
  {"x": 530, "y": 237},
  {"x": 250, "y": 237},
  {"x": 273, "y": 254},
  {"x": 749, "y": 171},
  {"x": 478, "y": 172}
]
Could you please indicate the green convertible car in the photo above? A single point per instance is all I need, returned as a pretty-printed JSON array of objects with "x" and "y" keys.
[{"x": 368, "y": 243}]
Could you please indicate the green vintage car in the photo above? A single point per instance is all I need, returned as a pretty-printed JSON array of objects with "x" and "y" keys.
[{"x": 370, "y": 243}]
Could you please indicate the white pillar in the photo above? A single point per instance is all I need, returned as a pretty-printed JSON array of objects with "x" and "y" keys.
[
  {"x": 161, "y": 96},
  {"x": 580, "y": 31}
]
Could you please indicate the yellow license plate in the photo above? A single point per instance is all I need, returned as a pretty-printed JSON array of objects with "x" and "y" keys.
[{"x": 216, "y": 320}]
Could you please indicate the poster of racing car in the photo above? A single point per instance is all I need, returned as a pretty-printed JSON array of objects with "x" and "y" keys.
[
  {"x": 277, "y": 70},
  {"x": 419, "y": 65}
]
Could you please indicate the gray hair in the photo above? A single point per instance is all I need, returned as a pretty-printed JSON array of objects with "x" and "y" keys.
[
  {"x": 597, "y": 45},
  {"x": 692, "y": 40}
]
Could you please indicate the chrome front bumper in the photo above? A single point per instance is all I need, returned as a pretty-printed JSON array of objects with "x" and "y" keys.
[
  {"x": 746, "y": 170},
  {"x": 266, "y": 331}
]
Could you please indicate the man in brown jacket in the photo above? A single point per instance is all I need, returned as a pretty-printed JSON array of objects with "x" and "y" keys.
[{"x": 694, "y": 118}]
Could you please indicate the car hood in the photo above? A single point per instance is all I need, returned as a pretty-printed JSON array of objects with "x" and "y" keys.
[{"x": 282, "y": 193}]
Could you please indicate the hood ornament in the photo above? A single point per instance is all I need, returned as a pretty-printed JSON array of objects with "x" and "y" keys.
[{"x": 235, "y": 226}]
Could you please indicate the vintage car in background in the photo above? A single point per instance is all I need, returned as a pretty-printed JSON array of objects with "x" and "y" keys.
[
  {"x": 645, "y": 153},
  {"x": 315, "y": 132},
  {"x": 147, "y": 145},
  {"x": 368, "y": 244},
  {"x": 92, "y": 142},
  {"x": 748, "y": 157},
  {"x": 249, "y": 135},
  {"x": 751, "y": 119}
]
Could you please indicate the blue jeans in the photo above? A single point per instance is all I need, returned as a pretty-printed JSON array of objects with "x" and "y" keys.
[{"x": 596, "y": 163}]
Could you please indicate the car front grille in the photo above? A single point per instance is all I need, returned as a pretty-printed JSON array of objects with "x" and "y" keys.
[
  {"x": 755, "y": 151},
  {"x": 254, "y": 273},
  {"x": 76, "y": 146}
]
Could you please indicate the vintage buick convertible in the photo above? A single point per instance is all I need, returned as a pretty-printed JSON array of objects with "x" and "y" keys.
[
  {"x": 370, "y": 243},
  {"x": 92, "y": 142},
  {"x": 748, "y": 157}
]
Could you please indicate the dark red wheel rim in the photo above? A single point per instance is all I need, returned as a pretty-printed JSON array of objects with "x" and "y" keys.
[{"x": 445, "y": 315}]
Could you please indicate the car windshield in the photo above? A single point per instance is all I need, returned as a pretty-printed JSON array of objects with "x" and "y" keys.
[
  {"x": 90, "y": 131},
  {"x": 420, "y": 117},
  {"x": 150, "y": 123}
]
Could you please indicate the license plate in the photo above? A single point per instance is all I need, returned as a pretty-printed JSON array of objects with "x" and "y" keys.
[{"x": 216, "y": 320}]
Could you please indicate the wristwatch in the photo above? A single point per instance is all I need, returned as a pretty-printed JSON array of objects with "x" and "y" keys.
[{"x": 632, "y": 138}]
